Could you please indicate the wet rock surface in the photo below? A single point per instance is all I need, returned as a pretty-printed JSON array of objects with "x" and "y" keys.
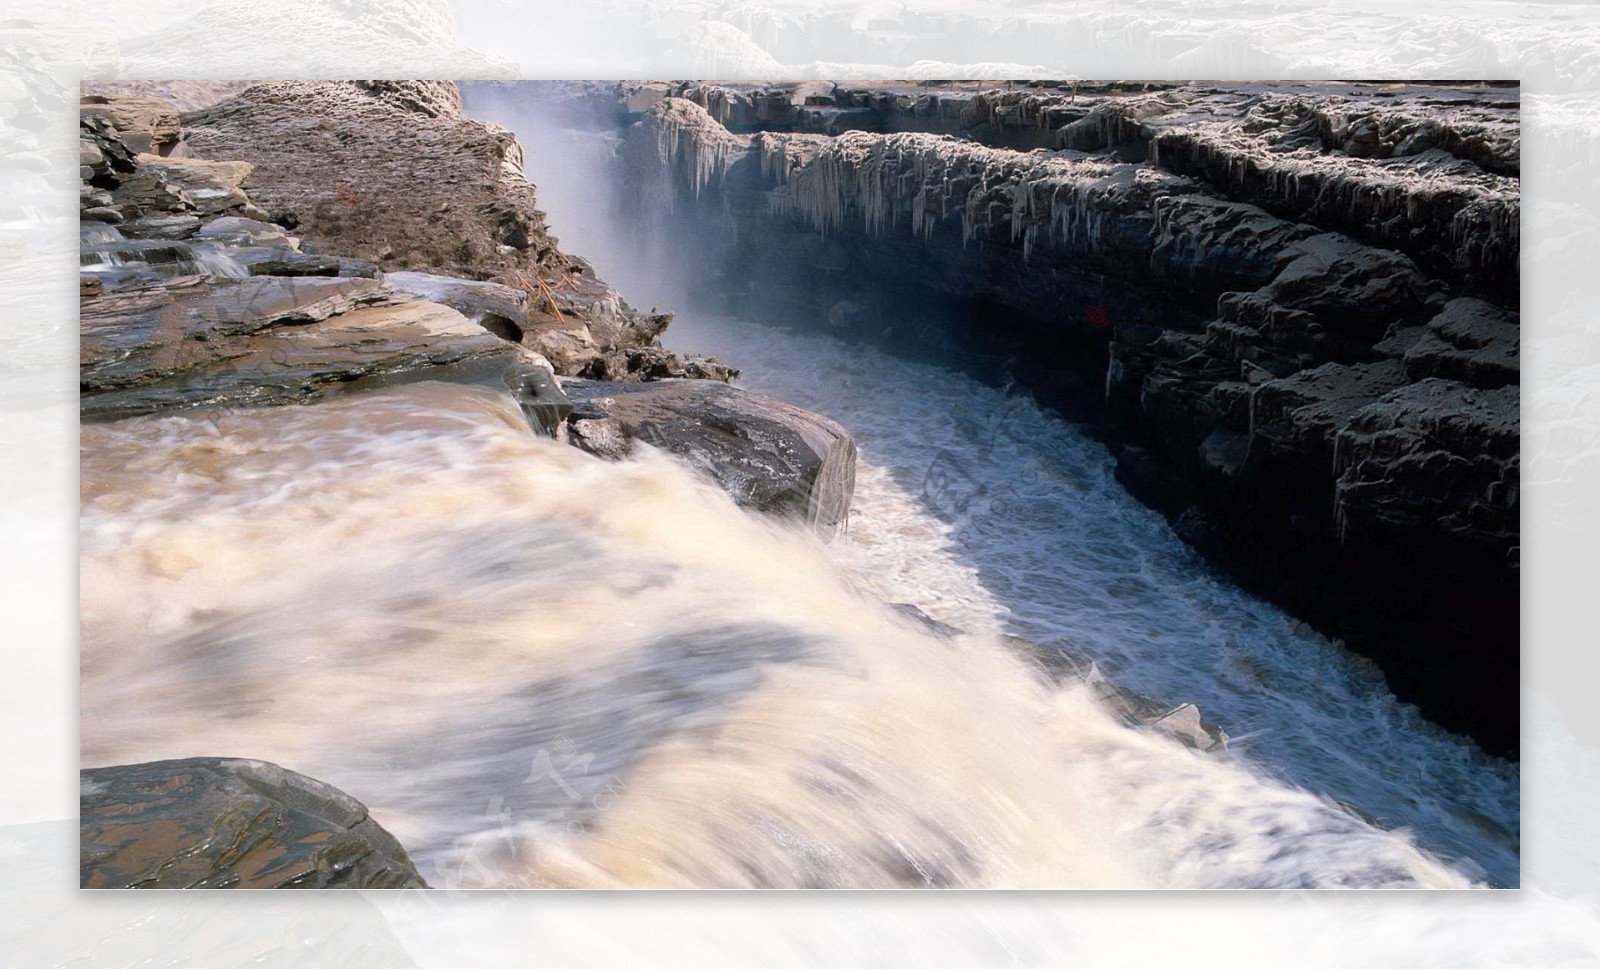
[
  {"x": 197, "y": 342},
  {"x": 1290, "y": 309},
  {"x": 229, "y": 823},
  {"x": 768, "y": 455}
]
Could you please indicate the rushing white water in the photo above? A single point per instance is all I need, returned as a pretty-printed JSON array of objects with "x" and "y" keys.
[
  {"x": 538, "y": 668},
  {"x": 989, "y": 513},
  {"x": 993, "y": 515}
]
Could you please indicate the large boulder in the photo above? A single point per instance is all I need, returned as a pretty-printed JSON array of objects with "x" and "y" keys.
[
  {"x": 768, "y": 455},
  {"x": 388, "y": 175},
  {"x": 229, "y": 823}
]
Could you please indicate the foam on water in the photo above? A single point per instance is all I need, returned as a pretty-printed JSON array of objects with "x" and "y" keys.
[
  {"x": 992, "y": 514},
  {"x": 538, "y": 668}
]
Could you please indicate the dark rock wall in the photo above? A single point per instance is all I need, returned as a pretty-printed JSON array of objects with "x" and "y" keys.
[{"x": 1291, "y": 310}]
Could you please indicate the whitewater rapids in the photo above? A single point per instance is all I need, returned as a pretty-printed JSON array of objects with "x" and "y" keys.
[{"x": 540, "y": 669}]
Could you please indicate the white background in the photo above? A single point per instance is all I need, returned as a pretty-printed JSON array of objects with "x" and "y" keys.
[{"x": 46, "y": 47}]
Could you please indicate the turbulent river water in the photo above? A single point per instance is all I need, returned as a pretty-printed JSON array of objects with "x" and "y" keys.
[{"x": 541, "y": 669}]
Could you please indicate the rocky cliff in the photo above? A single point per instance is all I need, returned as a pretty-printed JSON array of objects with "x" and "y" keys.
[
  {"x": 379, "y": 173},
  {"x": 1291, "y": 309}
]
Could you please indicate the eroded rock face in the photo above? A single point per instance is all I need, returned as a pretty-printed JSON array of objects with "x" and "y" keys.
[
  {"x": 768, "y": 455},
  {"x": 1247, "y": 289},
  {"x": 1471, "y": 341},
  {"x": 390, "y": 172},
  {"x": 1437, "y": 458},
  {"x": 1429, "y": 170},
  {"x": 229, "y": 823}
]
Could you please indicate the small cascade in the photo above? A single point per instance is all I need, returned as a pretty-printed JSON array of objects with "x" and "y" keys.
[
  {"x": 136, "y": 259},
  {"x": 210, "y": 259},
  {"x": 130, "y": 254},
  {"x": 92, "y": 235}
]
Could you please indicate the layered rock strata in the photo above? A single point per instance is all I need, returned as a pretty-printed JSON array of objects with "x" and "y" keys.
[{"x": 355, "y": 178}]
